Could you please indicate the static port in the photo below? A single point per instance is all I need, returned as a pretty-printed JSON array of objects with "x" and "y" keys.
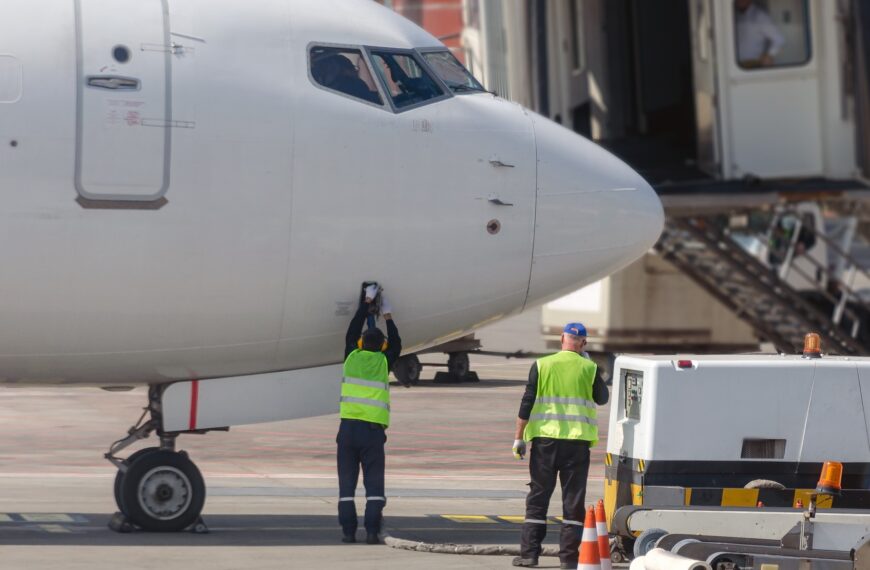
[{"x": 121, "y": 54}]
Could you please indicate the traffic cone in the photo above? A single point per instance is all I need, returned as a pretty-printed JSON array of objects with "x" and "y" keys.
[
  {"x": 603, "y": 536},
  {"x": 589, "y": 557}
]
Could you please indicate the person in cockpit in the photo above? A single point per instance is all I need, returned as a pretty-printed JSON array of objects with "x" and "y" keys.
[{"x": 339, "y": 73}]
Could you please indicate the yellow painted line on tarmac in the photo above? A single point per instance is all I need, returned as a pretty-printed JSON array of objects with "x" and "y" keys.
[
  {"x": 53, "y": 528},
  {"x": 47, "y": 518},
  {"x": 475, "y": 519},
  {"x": 512, "y": 519}
]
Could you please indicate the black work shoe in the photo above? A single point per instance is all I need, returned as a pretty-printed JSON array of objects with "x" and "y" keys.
[
  {"x": 525, "y": 562},
  {"x": 567, "y": 566},
  {"x": 372, "y": 538},
  {"x": 348, "y": 539}
]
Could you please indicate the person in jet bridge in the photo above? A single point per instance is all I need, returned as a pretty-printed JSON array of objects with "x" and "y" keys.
[
  {"x": 558, "y": 416},
  {"x": 365, "y": 416}
]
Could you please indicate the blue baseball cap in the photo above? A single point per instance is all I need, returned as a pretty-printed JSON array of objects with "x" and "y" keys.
[{"x": 576, "y": 329}]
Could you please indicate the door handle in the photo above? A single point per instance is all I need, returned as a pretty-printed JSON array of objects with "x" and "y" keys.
[{"x": 113, "y": 82}]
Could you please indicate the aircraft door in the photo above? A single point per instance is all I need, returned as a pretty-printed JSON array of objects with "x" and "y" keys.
[
  {"x": 704, "y": 73},
  {"x": 124, "y": 105},
  {"x": 770, "y": 57}
]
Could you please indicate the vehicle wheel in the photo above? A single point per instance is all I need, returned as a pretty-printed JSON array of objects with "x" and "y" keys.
[
  {"x": 163, "y": 491},
  {"x": 407, "y": 369},
  {"x": 764, "y": 484},
  {"x": 458, "y": 364},
  {"x": 617, "y": 552},
  {"x": 647, "y": 541},
  {"x": 119, "y": 476}
]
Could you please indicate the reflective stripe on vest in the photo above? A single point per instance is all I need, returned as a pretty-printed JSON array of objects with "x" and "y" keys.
[
  {"x": 562, "y": 418},
  {"x": 367, "y": 383},
  {"x": 366, "y": 401},
  {"x": 365, "y": 388},
  {"x": 564, "y": 408}
]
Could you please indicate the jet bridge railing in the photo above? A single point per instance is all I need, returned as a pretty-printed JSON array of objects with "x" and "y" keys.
[
  {"x": 840, "y": 276},
  {"x": 704, "y": 249}
]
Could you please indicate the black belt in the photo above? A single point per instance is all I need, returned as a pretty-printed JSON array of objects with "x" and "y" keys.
[{"x": 370, "y": 424}]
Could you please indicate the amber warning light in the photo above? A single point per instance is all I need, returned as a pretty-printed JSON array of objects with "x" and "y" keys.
[
  {"x": 812, "y": 346},
  {"x": 831, "y": 481}
]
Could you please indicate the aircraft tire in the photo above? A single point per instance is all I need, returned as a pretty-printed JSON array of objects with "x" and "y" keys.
[
  {"x": 407, "y": 369},
  {"x": 163, "y": 491},
  {"x": 119, "y": 476},
  {"x": 458, "y": 364}
]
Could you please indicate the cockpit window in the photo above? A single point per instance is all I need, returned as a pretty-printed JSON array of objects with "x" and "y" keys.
[
  {"x": 451, "y": 72},
  {"x": 405, "y": 79},
  {"x": 344, "y": 70}
]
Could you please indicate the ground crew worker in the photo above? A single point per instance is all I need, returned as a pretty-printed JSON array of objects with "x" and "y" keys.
[
  {"x": 365, "y": 415},
  {"x": 558, "y": 416}
]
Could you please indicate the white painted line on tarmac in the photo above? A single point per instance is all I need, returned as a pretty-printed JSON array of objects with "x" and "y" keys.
[
  {"x": 5, "y": 518},
  {"x": 46, "y": 518},
  {"x": 54, "y": 528}
]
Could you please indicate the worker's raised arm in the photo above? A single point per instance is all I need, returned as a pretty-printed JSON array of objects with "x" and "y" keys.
[
  {"x": 354, "y": 330},
  {"x": 394, "y": 342}
]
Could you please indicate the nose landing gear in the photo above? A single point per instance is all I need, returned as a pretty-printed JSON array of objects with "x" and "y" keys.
[{"x": 157, "y": 489}]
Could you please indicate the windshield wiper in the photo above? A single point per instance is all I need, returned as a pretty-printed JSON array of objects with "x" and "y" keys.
[{"x": 467, "y": 88}]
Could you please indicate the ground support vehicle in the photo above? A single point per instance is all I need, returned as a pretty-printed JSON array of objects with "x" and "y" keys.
[{"x": 709, "y": 432}]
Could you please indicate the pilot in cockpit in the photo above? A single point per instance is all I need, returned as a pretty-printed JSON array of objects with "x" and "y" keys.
[{"x": 338, "y": 72}]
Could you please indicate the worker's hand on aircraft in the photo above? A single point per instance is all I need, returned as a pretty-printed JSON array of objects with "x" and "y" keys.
[
  {"x": 371, "y": 292},
  {"x": 519, "y": 448}
]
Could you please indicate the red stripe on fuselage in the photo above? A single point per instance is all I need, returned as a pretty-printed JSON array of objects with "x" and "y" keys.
[{"x": 194, "y": 402}]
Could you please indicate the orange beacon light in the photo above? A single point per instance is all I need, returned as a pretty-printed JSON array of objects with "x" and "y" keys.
[
  {"x": 831, "y": 481},
  {"x": 812, "y": 346}
]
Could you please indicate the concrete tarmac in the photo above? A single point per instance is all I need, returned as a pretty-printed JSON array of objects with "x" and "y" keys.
[{"x": 272, "y": 491}]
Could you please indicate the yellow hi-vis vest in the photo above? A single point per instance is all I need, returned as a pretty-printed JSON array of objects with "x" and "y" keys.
[
  {"x": 365, "y": 388},
  {"x": 564, "y": 408}
]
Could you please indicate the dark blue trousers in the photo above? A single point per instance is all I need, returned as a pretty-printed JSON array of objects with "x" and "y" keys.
[{"x": 360, "y": 443}]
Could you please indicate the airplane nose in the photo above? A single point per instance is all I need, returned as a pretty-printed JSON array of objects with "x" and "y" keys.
[{"x": 595, "y": 214}]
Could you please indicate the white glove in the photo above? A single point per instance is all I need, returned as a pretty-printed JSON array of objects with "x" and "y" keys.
[
  {"x": 519, "y": 448},
  {"x": 371, "y": 292},
  {"x": 386, "y": 308}
]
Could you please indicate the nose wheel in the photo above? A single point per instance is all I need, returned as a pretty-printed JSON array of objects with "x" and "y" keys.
[
  {"x": 162, "y": 491},
  {"x": 156, "y": 489}
]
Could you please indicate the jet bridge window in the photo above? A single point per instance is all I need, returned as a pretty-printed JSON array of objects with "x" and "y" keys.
[
  {"x": 405, "y": 79},
  {"x": 771, "y": 33},
  {"x": 345, "y": 71},
  {"x": 451, "y": 72}
]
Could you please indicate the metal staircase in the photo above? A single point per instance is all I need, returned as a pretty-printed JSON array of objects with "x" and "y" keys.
[{"x": 705, "y": 251}]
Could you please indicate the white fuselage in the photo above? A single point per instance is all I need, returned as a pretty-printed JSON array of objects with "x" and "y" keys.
[{"x": 219, "y": 218}]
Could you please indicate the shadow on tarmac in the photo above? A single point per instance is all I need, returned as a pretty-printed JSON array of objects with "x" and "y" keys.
[{"x": 251, "y": 530}]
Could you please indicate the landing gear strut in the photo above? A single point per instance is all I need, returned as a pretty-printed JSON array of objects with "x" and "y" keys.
[{"x": 156, "y": 488}]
